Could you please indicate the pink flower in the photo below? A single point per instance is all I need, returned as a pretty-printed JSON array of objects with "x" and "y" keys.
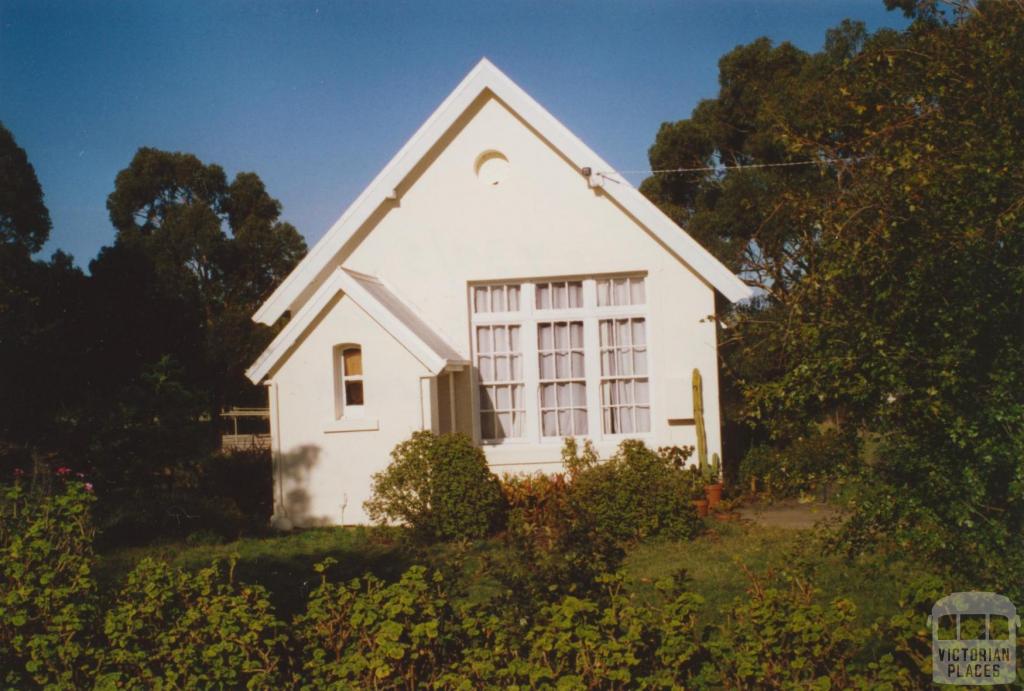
[
  {"x": 63, "y": 470},
  {"x": 88, "y": 487},
  {"x": 18, "y": 472}
]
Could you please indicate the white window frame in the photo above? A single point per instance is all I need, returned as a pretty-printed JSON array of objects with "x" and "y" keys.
[
  {"x": 527, "y": 318},
  {"x": 617, "y": 378},
  {"x": 342, "y": 409},
  {"x": 511, "y": 382},
  {"x": 554, "y": 379}
]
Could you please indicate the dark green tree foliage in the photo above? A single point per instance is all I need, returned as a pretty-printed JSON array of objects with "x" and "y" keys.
[
  {"x": 41, "y": 305},
  {"x": 44, "y": 363},
  {"x": 24, "y": 218},
  {"x": 125, "y": 370},
  {"x": 754, "y": 220},
  {"x": 171, "y": 212},
  {"x": 759, "y": 221},
  {"x": 892, "y": 277},
  {"x": 167, "y": 335}
]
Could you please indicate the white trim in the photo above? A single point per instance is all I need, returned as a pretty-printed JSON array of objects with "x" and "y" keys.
[
  {"x": 382, "y": 190},
  {"x": 592, "y": 360},
  {"x": 451, "y": 402},
  {"x": 428, "y": 404},
  {"x": 280, "y": 506},
  {"x": 350, "y": 283}
]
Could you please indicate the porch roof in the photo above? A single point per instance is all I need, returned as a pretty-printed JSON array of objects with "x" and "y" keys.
[{"x": 383, "y": 306}]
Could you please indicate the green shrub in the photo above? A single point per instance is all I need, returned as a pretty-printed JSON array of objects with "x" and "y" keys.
[
  {"x": 634, "y": 495},
  {"x": 550, "y": 547},
  {"x": 778, "y": 637},
  {"x": 781, "y": 637},
  {"x": 904, "y": 639},
  {"x": 619, "y": 643},
  {"x": 47, "y": 592},
  {"x": 959, "y": 505},
  {"x": 366, "y": 634},
  {"x": 608, "y": 641},
  {"x": 560, "y": 624},
  {"x": 565, "y": 530},
  {"x": 805, "y": 465},
  {"x": 538, "y": 510},
  {"x": 440, "y": 486},
  {"x": 418, "y": 634},
  {"x": 169, "y": 628}
]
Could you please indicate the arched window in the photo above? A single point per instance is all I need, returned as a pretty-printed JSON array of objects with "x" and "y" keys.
[{"x": 349, "y": 393}]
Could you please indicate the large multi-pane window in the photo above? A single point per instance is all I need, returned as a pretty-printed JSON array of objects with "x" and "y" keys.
[{"x": 561, "y": 357}]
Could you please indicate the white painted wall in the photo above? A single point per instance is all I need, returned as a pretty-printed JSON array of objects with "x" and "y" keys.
[
  {"x": 322, "y": 462},
  {"x": 448, "y": 229}
]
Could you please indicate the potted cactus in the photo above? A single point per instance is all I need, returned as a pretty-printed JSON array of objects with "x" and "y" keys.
[
  {"x": 713, "y": 480},
  {"x": 700, "y": 502},
  {"x": 711, "y": 472}
]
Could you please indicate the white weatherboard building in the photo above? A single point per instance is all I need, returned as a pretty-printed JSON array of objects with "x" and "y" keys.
[{"x": 494, "y": 279}]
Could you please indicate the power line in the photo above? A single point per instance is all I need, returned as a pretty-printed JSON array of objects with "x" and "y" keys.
[{"x": 708, "y": 169}]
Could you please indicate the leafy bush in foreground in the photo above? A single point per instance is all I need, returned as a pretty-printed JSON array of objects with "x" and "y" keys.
[
  {"x": 47, "y": 591},
  {"x": 368, "y": 634},
  {"x": 781, "y": 638},
  {"x": 169, "y": 628},
  {"x": 608, "y": 640},
  {"x": 440, "y": 486}
]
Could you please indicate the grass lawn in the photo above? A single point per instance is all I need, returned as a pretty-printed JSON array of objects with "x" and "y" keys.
[
  {"x": 283, "y": 564},
  {"x": 715, "y": 564}
]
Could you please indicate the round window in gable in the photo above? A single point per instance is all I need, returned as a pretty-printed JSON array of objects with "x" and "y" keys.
[{"x": 491, "y": 168}]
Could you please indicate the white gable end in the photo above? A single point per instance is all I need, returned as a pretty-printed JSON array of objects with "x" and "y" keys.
[{"x": 385, "y": 189}]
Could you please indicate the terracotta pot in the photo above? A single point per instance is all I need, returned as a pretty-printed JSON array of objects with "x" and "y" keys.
[
  {"x": 714, "y": 494},
  {"x": 702, "y": 507}
]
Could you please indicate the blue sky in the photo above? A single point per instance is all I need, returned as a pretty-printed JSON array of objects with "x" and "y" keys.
[{"x": 317, "y": 96}]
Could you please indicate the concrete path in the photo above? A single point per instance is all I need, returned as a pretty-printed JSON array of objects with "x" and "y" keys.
[{"x": 790, "y": 514}]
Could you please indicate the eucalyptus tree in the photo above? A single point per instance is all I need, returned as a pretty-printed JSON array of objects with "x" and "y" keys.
[
  {"x": 202, "y": 253},
  {"x": 890, "y": 256}
]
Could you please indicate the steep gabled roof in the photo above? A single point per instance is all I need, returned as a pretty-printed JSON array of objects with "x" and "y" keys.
[
  {"x": 486, "y": 76},
  {"x": 383, "y": 306}
]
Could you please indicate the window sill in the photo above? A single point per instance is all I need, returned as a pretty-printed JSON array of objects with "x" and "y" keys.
[
  {"x": 529, "y": 452},
  {"x": 352, "y": 425},
  {"x": 558, "y": 442}
]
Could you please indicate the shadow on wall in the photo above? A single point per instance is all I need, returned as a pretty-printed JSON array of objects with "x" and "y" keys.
[{"x": 291, "y": 488}]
